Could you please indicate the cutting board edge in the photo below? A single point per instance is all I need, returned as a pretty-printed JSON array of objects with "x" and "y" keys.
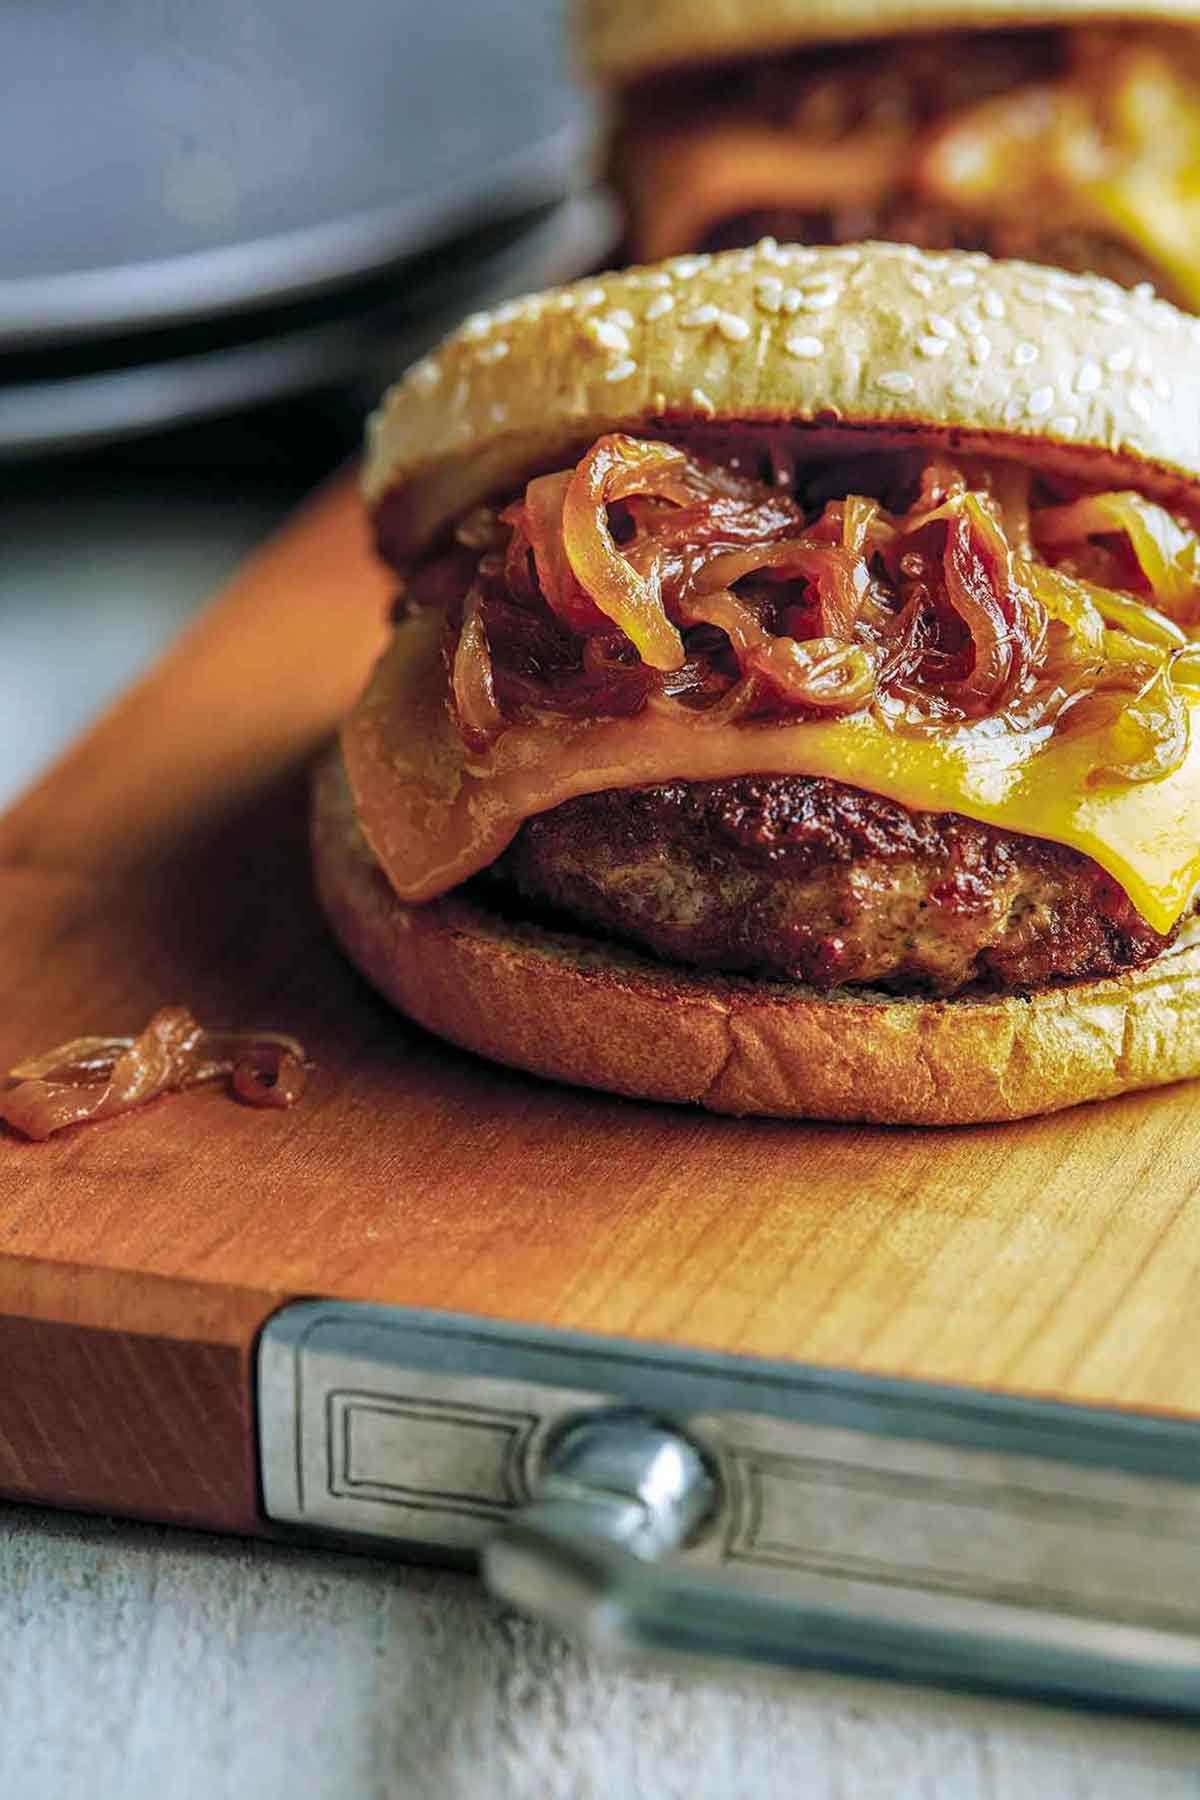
[{"x": 130, "y": 1393}]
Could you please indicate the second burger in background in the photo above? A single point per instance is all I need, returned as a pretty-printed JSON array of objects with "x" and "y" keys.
[{"x": 1074, "y": 143}]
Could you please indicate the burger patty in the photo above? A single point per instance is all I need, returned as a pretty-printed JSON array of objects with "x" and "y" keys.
[
  {"x": 909, "y": 221},
  {"x": 807, "y": 879}
]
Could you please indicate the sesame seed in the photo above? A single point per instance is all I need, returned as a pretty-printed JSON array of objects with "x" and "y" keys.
[
  {"x": 1144, "y": 291},
  {"x": 621, "y": 371},
  {"x": 608, "y": 334},
  {"x": 1033, "y": 292},
  {"x": 767, "y": 248},
  {"x": 1013, "y": 409},
  {"x": 477, "y": 326},
  {"x": 593, "y": 297},
  {"x": 702, "y": 403},
  {"x": 941, "y": 326},
  {"x": 970, "y": 321},
  {"x": 819, "y": 301},
  {"x": 932, "y": 346},
  {"x": 1025, "y": 353},
  {"x": 659, "y": 307},
  {"x": 896, "y": 381},
  {"x": 806, "y": 348},
  {"x": 981, "y": 347},
  {"x": 687, "y": 266},
  {"x": 659, "y": 404},
  {"x": 493, "y": 353},
  {"x": 992, "y": 304},
  {"x": 1065, "y": 425},
  {"x": 920, "y": 284},
  {"x": 1139, "y": 405},
  {"x": 1040, "y": 402},
  {"x": 499, "y": 413},
  {"x": 961, "y": 278},
  {"x": 731, "y": 327},
  {"x": 656, "y": 278},
  {"x": 1089, "y": 378},
  {"x": 622, "y": 316},
  {"x": 425, "y": 374},
  {"x": 809, "y": 282},
  {"x": 1059, "y": 302},
  {"x": 1112, "y": 315},
  {"x": 768, "y": 293},
  {"x": 1117, "y": 361},
  {"x": 790, "y": 300},
  {"x": 700, "y": 315},
  {"x": 1144, "y": 364}
]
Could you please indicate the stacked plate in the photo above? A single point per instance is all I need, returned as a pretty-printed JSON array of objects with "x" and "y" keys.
[{"x": 211, "y": 207}]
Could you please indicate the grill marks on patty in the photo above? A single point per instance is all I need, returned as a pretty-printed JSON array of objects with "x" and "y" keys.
[{"x": 803, "y": 878}]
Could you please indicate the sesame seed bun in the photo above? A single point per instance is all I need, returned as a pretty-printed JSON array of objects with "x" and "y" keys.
[
  {"x": 841, "y": 350},
  {"x": 578, "y": 1010},
  {"x": 851, "y": 347},
  {"x": 622, "y": 41}
]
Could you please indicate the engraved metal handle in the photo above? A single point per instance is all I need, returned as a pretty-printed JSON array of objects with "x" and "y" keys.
[
  {"x": 616, "y": 1490},
  {"x": 620, "y": 1493},
  {"x": 724, "y": 1507}
]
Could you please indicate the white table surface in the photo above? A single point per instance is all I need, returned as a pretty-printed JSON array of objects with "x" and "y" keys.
[
  {"x": 140, "y": 1664},
  {"x": 156, "y": 1665}
]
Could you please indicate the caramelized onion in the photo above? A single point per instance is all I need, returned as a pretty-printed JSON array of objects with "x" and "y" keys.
[
  {"x": 471, "y": 680},
  {"x": 1166, "y": 551},
  {"x": 727, "y": 613},
  {"x": 822, "y": 673},
  {"x": 543, "y": 526},
  {"x": 95, "y": 1078},
  {"x": 646, "y": 576},
  {"x": 1000, "y": 625},
  {"x": 614, "y": 468}
]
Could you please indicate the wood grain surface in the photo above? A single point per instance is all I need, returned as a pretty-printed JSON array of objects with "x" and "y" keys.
[{"x": 164, "y": 860}]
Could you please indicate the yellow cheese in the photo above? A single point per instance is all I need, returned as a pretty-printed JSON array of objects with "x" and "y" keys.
[
  {"x": 433, "y": 815},
  {"x": 1113, "y": 148}
]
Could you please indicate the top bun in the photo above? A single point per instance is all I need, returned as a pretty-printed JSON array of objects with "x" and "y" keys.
[
  {"x": 875, "y": 345},
  {"x": 624, "y": 40}
]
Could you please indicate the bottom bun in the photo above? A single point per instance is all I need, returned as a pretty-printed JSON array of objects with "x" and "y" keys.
[{"x": 577, "y": 1010}]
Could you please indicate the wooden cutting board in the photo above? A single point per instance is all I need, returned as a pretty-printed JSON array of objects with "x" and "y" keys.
[{"x": 164, "y": 860}]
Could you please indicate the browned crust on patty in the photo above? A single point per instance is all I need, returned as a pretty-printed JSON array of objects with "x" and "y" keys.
[
  {"x": 576, "y": 1010},
  {"x": 803, "y": 878}
]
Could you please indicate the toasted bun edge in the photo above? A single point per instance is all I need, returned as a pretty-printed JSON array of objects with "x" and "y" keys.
[
  {"x": 621, "y": 41},
  {"x": 576, "y": 1010},
  {"x": 850, "y": 345}
]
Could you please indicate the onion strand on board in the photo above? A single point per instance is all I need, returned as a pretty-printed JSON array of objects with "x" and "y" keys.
[
  {"x": 96, "y": 1078},
  {"x": 955, "y": 592}
]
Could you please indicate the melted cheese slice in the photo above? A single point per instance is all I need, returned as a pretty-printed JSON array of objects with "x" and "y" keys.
[
  {"x": 693, "y": 178},
  {"x": 433, "y": 815},
  {"x": 1036, "y": 147}
]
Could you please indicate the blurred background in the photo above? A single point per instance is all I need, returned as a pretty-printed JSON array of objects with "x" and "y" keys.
[{"x": 227, "y": 225}]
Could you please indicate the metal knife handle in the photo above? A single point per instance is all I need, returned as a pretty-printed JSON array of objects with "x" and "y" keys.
[
  {"x": 667, "y": 1500},
  {"x": 620, "y": 1493}
]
